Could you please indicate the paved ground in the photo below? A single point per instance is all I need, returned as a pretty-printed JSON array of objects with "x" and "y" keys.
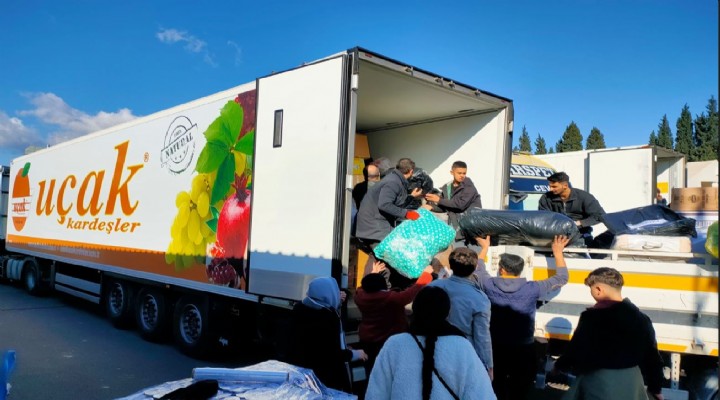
[{"x": 66, "y": 349}]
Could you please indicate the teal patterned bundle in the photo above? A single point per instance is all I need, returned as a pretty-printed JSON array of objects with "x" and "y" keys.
[{"x": 410, "y": 247}]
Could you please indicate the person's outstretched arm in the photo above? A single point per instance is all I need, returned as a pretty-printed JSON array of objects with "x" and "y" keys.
[
  {"x": 561, "y": 274},
  {"x": 481, "y": 273}
]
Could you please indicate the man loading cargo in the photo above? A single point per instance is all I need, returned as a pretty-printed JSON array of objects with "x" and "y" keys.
[
  {"x": 579, "y": 205},
  {"x": 385, "y": 204},
  {"x": 457, "y": 197}
]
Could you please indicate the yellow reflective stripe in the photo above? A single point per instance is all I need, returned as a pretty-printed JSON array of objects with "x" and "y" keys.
[
  {"x": 651, "y": 281},
  {"x": 674, "y": 348},
  {"x": 561, "y": 336}
]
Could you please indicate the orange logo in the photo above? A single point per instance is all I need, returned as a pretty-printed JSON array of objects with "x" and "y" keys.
[
  {"x": 20, "y": 198},
  {"x": 48, "y": 201}
]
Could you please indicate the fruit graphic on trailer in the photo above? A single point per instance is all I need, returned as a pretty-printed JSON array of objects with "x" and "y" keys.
[
  {"x": 20, "y": 198},
  {"x": 234, "y": 222}
]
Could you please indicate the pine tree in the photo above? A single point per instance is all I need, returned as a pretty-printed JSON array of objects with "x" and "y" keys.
[
  {"x": 540, "y": 145},
  {"x": 664, "y": 137},
  {"x": 571, "y": 140},
  {"x": 551, "y": 150},
  {"x": 653, "y": 139},
  {"x": 706, "y": 133},
  {"x": 525, "y": 141},
  {"x": 595, "y": 140},
  {"x": 684, "y": 139}
]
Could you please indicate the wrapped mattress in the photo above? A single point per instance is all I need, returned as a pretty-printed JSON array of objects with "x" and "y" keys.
[
  {"x": 660, "y": 244},
  {"x": 650, "y": 220},
  {"x": 517, "y": 227}
]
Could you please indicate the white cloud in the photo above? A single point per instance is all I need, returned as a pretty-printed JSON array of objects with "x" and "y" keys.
[
  {"x": 192, "y": 44},
  {"x": 14, "y": 134},
  {"x": 238, "y": 52},
  {"x": 71, "y": 123}
]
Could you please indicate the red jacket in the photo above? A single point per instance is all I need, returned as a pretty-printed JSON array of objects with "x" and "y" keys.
[{"x": 383, "y": 312}]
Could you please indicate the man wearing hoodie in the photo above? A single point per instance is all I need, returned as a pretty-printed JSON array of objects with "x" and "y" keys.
[{"x": 512, "y": 324}]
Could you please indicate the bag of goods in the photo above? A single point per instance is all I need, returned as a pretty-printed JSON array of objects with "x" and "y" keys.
[
  {"x": 517, "y": 227},
  {"x": 711, "y": 244},
  {"x": 419, "y": 179},
  {"x": 650, "y": 220},
  {"x": 411, "y": 246}
]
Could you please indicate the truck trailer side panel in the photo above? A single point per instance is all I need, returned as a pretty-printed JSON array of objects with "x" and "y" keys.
[{"x": 126, "y": 199}]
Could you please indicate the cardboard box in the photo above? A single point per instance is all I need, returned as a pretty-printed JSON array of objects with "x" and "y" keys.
[
  {"x": 694, "y": 199},
  {"x": 362, "y": 150}
]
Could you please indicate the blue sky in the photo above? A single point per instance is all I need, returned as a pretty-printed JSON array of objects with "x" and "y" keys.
[{"x": 73, "y": 67}]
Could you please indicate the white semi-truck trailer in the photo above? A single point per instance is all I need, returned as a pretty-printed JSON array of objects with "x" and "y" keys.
[{"x": 193, "y": 219}]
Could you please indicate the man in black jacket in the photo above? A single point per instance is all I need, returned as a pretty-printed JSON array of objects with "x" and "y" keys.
[
  {"x": 613, "y": 350},
  {"x": 386, "y": 204},
  {"x": 579, "y": 205},
  {"x": 456, "y": 197}
]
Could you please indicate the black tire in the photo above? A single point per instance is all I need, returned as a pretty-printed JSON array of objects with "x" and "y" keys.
[
  {"x": 118, "y": 299},
  {"x": 31, "y": 278},
  {"x": 190, "y": 326},
  {"x": 151, "y": 317}
]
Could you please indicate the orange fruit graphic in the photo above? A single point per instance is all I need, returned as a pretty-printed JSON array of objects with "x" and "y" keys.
[{"x": 20, "y": 198}]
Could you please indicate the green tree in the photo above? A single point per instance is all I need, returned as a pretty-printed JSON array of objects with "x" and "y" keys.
[
  {"x": 551, "y": 150},
  {"x": 653, "y": 139},
  {"x": 706, "y": 133},
  {"x": 540, "y": 147},
  {"x": 684, "y": 138},
  {"x": 525, "y": 141},
  {"x": 665, "y": 137},
  {"x": 571, "y": 140},
  {"x": 595, "y": 140}
]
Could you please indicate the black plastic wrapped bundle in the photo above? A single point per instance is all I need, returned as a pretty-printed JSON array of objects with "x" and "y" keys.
[
  {"x": 420, "y": 179},
  {"x": 517, "y": 227},
  {"x": 650, "y": 220}
]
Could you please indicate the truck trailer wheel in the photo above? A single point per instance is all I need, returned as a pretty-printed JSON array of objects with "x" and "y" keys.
[
  {"x": 190, "y": 326},
  {"x": 151, "y": 314},
  {"x": 117, "y": 297},
  {"x": 31, "y": 279}
]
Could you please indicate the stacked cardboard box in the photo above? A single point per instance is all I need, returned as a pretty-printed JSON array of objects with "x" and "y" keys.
[{"x": 694, "y": 199}]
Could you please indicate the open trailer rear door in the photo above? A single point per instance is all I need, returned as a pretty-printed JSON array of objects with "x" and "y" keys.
[{"x": 299, "y": 176}]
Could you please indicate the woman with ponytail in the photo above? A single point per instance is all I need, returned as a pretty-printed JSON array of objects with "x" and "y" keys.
[{"x": 434, "y": 361}]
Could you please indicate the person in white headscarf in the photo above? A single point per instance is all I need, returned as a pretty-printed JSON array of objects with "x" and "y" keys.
[{"x": 317, "y": 337}]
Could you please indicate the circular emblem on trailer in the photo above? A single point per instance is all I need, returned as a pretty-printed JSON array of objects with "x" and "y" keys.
[{"x": 179, "y": 147}]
